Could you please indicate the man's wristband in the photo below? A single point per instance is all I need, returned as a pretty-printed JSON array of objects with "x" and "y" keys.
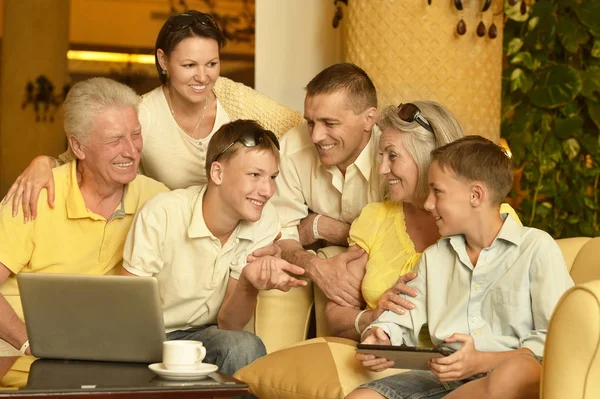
[
  {"x": 24, "y": 347},
  {"x": 316, "y": 228},
  {"x": 356, "y": 320}
]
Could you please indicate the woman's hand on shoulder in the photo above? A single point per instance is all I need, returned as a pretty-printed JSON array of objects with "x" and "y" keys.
[
  {"x": 392, "y": 300},
  {"x": 26, "y": 189}
]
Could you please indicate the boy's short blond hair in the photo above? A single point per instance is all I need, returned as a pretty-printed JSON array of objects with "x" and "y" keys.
[
  {"x": 475, "y": 158},
  {"x": 225, "y": 143}
]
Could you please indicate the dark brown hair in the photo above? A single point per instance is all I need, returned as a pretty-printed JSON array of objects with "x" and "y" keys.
[
  {"x": 360, "y": 90},
  {"x": 475, "y": 158},
  {"x": 191, "y": 23},
  {"x": 227, "y": 139}
]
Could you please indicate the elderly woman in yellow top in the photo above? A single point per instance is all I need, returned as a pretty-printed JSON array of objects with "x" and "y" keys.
[{"x": 394, "y": 233}]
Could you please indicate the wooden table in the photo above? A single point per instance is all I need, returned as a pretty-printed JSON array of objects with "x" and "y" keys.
[{"x": 95, "y": 380}]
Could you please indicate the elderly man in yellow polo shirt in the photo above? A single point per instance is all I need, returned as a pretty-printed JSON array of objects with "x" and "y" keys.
[
  {"x": 196, "y": 241},
  {"x": 96, "y": 195}
]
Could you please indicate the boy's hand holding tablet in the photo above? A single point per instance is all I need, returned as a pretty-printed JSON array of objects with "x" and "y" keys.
[
  {"x": 375, "y": 336},
  {"x": 377, "y": 354}
]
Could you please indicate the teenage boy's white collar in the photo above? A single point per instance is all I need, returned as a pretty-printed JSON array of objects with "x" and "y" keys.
[{"x": 198, "y": 228}]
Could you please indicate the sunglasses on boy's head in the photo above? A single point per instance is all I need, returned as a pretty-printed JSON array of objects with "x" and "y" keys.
[
  {"x": 252, "y": 139},
  {"x": 409, "y": 112},
  {"x": 188, "y": 19}
]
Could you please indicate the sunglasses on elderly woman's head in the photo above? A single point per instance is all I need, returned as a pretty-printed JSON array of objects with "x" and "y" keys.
[
  {"x": 409, "y": 112},
  {"x": 187, "y": 19},
  {"x": 252, "y": 139}
]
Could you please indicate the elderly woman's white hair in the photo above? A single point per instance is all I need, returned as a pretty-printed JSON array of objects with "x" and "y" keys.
[
  {"x": 418, "y": 141},
  {"x": 89, "y": 98}
]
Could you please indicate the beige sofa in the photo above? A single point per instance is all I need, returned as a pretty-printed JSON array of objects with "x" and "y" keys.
[
  {"x": 326, "y": 368},
  {"x": 572, "y": 355}
]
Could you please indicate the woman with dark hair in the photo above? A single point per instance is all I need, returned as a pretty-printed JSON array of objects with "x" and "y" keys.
[{"x": 179, "y": 117}]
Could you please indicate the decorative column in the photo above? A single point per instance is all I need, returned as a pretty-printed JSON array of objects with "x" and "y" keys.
[
  {"x": 413, "y": 51},
  {"x": 34, "y": 74},
  {"x": 294, "y": 42}
]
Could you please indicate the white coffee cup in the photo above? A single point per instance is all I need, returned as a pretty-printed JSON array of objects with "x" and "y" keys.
[{"x": 183, "y": 354}]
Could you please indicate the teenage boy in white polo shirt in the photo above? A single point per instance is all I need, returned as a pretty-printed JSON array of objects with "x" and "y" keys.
[
  {"x": 487, "y": 288},
  {"x": 195, "y": 241}
]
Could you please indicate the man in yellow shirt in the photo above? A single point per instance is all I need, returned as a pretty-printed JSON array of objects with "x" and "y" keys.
[{"x": 97, "y": 196}]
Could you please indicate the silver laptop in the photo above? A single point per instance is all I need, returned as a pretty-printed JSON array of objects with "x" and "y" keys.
[{"x": 90, "y": 317}]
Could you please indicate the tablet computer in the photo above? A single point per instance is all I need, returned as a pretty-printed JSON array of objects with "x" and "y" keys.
[{"x": 404, "y": 357}]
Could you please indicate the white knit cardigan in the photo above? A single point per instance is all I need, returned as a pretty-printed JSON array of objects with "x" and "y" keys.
[{"x": 243, "y": 102}]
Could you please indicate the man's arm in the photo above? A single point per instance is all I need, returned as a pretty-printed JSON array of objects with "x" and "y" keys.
[
  {"x": 331, "y": 230},
  {"x": 342, "y": 319},
  {"x": 12, "y": 329},
  {"x": 292, "y": 251},
  {"x": 331, "y": 275},
  {"x": 17, "y": 245}
]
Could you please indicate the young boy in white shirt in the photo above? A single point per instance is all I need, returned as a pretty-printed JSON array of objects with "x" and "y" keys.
[
  {"x": 196, "y": 241},
  {"x": 488, "y": 288}
]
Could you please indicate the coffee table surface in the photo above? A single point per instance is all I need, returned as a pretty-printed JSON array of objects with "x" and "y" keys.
[{"x": 27, "y": 377}]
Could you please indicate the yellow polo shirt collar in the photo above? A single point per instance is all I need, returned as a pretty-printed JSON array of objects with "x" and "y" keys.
[{"x": 76, "y": 207}]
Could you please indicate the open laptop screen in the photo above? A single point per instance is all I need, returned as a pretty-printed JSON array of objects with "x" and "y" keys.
[{"x": 90, "y": 317}]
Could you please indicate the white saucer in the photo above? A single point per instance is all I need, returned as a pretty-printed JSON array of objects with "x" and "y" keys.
[{"x": 201, "y": 371}]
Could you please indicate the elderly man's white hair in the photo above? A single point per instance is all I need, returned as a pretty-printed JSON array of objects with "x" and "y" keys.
[{"x": 91, "y": 97}]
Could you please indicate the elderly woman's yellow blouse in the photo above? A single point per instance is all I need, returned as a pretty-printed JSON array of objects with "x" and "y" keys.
[{"x": 381, "y": 231}]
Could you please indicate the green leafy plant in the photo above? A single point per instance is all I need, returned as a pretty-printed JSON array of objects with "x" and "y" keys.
[{"x": 551, "y": 114}]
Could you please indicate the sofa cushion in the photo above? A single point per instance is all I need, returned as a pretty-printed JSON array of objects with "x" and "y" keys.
[
  {"x": 586, "y": 266},
  {"x": 322, "y": 367},
  {"x": 570, "y": 247},
  {"x": 572, "y": 353}
]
